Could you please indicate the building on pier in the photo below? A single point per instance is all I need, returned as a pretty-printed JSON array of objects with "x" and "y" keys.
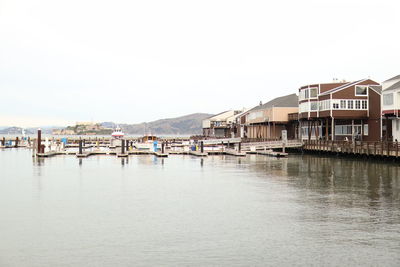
[
  {"x": 391, "y": 108},
  {"x": 340, "y": 111},
  {"x": 220, "y": 125},
  {"x": 266, "y": 121}
]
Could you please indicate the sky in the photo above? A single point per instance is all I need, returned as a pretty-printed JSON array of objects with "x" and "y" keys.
[{"x": 136, "y": 61}]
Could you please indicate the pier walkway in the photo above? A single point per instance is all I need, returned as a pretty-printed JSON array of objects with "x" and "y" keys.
[{"x": 380, "y": 149}]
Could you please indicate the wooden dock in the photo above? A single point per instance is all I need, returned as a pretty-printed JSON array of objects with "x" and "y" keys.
[
  {"x": 198, "y": 153},
  {"x": 232, "y": 152},
  {"x": 161, "y": 155},
  {"x": 269, "y": 153},
  {"x": 378, "y": 149}
]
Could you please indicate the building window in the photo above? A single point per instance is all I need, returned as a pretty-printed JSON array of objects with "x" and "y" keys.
[
  {"x": 335, "y": 105},
  {"x": 361, "y": 90},
  {"x": 306, "y": 94},
  {"x": 397, "y": 125},
  {"x": 343, "y": 129},
  {"x": 313, "y": 92},
  {"x": 388, "y": 99},
  {"x": 342, "y": 104},
  {"x": 350, "y": 104},
  {"x": 338, "y": 129},
  {"x": 314, "y": 106},
  {"x": 357, "y": 129},
  {"x": 364, "y": 104},
  {"x": 365, "y": 129},
  {"x": 358, "y": 104}
]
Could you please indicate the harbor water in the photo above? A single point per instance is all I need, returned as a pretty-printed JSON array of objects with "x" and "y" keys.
[{"x": 185, "y": 211}]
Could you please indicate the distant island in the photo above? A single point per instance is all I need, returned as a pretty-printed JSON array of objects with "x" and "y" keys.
[{"x": 184, "y": 125}]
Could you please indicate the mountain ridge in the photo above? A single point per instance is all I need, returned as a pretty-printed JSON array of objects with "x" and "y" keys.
[{"x": 190, "y": 124}]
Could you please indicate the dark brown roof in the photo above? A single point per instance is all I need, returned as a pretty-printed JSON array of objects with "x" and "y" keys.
[{"x": 342, "y": 87}]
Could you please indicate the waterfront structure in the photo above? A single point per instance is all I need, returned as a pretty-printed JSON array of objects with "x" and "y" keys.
[
  {"x": 391, "y": 108},
  {"x": 220, "y": 125},
  {"x": 266, "y": 121},
  {"x": 238, "y": 124},
  {"x": 340, "y": 111}
]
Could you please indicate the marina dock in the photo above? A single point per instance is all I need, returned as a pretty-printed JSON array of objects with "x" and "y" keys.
[{"x": 357, "y": 148}]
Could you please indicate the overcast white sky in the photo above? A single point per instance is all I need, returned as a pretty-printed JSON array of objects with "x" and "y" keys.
[{"x": 135, "y": 61}]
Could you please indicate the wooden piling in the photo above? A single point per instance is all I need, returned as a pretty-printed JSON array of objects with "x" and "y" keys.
[
  {"x": 80, "y": 147},
  {"x": 122, "y": 146},
  {"x": 39, "y": 141}
]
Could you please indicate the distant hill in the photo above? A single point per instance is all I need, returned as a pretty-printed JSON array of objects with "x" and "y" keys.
[
  {"x": 185, "y": 125},
  {"x": 18, "y": 130}
]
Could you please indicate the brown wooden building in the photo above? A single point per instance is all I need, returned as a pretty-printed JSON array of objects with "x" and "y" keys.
[{"x": 340, "y": 111}]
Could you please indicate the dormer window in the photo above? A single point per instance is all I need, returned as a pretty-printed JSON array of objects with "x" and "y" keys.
[{"x": 361, "y": 90}]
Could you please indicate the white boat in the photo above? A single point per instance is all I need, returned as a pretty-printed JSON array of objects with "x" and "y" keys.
[
  {"x": 147, "y": 143},
  {"x": 117, "y": 134}
]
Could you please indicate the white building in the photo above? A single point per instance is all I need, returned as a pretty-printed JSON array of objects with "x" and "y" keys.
[
  {"x": 220, "y": 124},
  {"x": 391, "y": 108}
]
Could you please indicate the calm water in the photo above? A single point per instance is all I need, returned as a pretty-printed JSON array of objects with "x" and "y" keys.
[{"x": 185, "y": 211}]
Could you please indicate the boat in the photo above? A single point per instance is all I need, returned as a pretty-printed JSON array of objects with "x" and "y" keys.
[
  {"x": 147, "y": 142},
  {"x": 117, "y": 134}
]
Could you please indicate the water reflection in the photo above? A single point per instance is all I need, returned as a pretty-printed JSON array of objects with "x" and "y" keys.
[
  {"x": 333, "y": 175},
  {"x": 221, "y": 207}
]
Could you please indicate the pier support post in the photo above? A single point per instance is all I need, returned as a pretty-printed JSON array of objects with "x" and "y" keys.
[
  {"x": 202, "y": 147},
  {"x": 240, "y": 147},
  {"x": 3, "y": 141},
  {"x": 39, "y": 141},
  {"x": 80, "y": 146},
  {"x": 122, "y": 146},
  {"x": 16, "y": 142},
  {"x": 162, "y": 147}
]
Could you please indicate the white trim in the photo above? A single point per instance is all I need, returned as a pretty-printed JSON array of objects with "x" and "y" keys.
[
  {"x": 355, "y": 90},
  {"x": 341, "y": 87}
]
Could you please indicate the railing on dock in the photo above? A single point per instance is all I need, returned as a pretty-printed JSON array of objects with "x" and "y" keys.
[{"x": 383, "y": 148}]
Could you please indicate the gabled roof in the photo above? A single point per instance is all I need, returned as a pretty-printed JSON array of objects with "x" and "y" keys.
[
  {"x": 241, "y": 113},
  {"x": 376, "y": 88},
  {"x": 290, "y": 101},
  {"x": 394, "y": 78},
  {"x": 216, "y": 115},
  {"x": 342, "y": 87},
  {"x": 223, "y": 116},
  {"x": 393, "y": 86},
  {"x": 391, "y": 83}
]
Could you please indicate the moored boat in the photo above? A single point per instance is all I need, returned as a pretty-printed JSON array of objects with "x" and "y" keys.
[
  {"x": 117, "y": 134},
  {"x": 147, "y": 142}
]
